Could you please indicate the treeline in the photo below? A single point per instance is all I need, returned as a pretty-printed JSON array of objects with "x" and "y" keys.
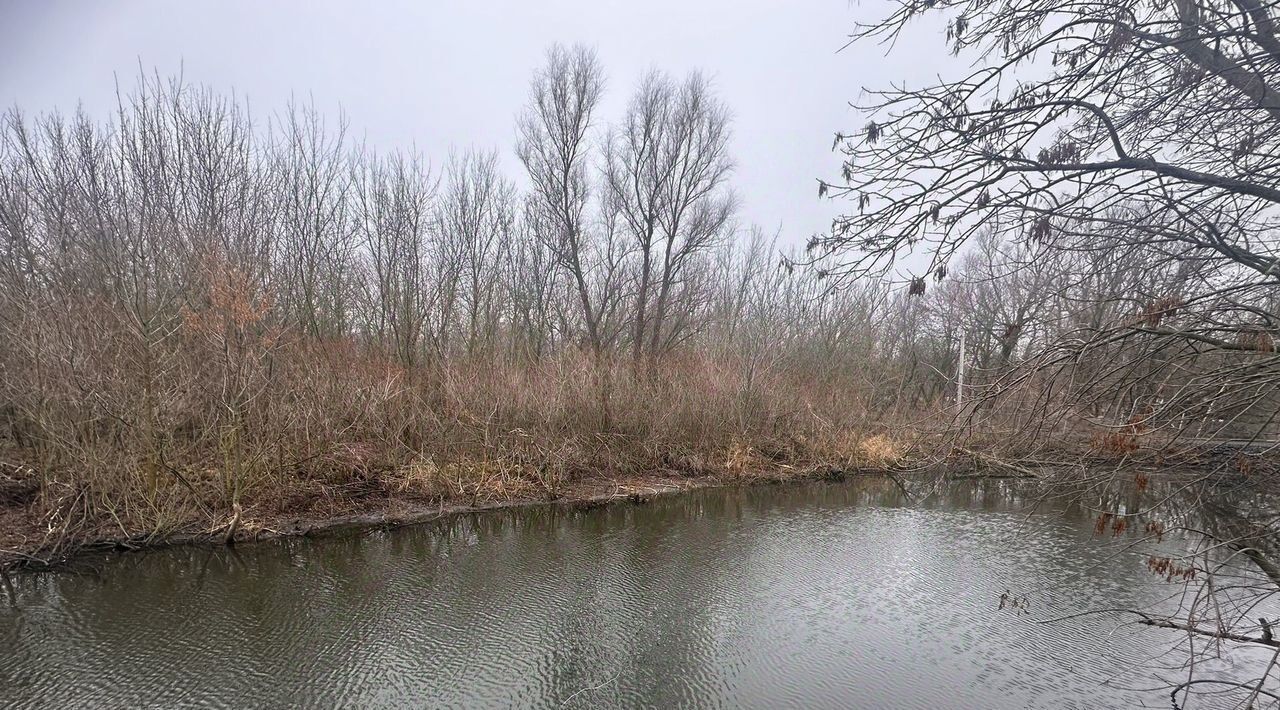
[
  {"x": 199, "y": 310},
  {"x": 625, "y": 240}
]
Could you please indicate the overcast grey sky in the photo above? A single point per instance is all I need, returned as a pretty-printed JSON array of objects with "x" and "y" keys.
[{"x": 444, "y": 74}]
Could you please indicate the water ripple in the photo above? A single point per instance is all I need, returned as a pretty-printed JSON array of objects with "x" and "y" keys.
[{"x": 802, "y": 597}]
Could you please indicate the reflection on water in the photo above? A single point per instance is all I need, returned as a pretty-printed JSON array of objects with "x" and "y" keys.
[{"x": 821, "y": 595}]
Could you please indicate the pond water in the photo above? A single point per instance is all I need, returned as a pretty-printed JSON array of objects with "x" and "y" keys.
[{"x": 809, "y": 596}]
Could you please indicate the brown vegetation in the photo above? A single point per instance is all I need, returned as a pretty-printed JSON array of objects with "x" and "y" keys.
[
  {"x": 334, "y": 429},
  {"x": 202, "y": 321}
]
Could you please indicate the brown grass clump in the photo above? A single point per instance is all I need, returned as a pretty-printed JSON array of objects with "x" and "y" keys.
[
  {"x": 881, "y": 451},
  {"x": 855, "y": 449},
  {"x": 741, "y": 458}
]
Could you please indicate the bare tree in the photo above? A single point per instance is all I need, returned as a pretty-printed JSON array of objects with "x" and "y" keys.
[
  {"x": 536, "y": 288},
  {"x": 395, "y": 199},
  {"x": 554, "y": 146},
  {"x": 201, "y": 317},
  {"x": 696, "y": 205},
  {"x": 636, "y": 173},
  {"x": 476, "y": 219},
  {"x": 317, "y": 240}
]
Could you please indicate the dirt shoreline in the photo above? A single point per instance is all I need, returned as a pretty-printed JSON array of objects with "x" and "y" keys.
[{"x": 393, "y": 513}]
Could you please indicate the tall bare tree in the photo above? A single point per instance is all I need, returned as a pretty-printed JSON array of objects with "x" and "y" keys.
[
  {"x": 318, "y": 238},
  {"x": 477, "y": 215},
  {"x": 554, "y": 146},
  {"x": 696, "y": 206},
  {"x": 395, "y": 199}
]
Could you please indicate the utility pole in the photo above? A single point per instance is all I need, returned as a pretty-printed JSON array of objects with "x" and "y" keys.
[{"x": 960, "y": 375}]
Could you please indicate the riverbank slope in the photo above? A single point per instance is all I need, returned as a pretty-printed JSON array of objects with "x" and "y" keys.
[{"x": 36, "y": 532}]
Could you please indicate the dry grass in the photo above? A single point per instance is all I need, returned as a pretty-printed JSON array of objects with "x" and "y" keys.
[
  {"x": 324, "y": 429},
  {"x": 880, "y": 451}
]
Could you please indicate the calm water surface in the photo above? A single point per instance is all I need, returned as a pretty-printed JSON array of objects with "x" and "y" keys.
[{"x": 810, "y": 596}]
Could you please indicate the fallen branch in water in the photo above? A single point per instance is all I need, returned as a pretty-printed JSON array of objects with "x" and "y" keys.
[
  {"x": 1227, "y": 635},
  {"x": 28, "y": 557},
  {"x": 1149, "y": 620},
  {"x": 230, "y": 537},
  {"x": 589, "y": 690},
  {"x": 1019, "y": 470},
  {"x": 1256, "y": 691}
]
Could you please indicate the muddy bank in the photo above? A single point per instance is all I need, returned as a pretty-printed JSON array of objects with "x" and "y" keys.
[
  {"x": 24, "y": 541},
  {"x": 27, "y": 542}
]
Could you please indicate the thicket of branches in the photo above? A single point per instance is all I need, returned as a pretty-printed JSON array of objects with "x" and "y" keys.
[
  {"x": 1134, "y": 145},
  {"x": 1122, "y": 156}
]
